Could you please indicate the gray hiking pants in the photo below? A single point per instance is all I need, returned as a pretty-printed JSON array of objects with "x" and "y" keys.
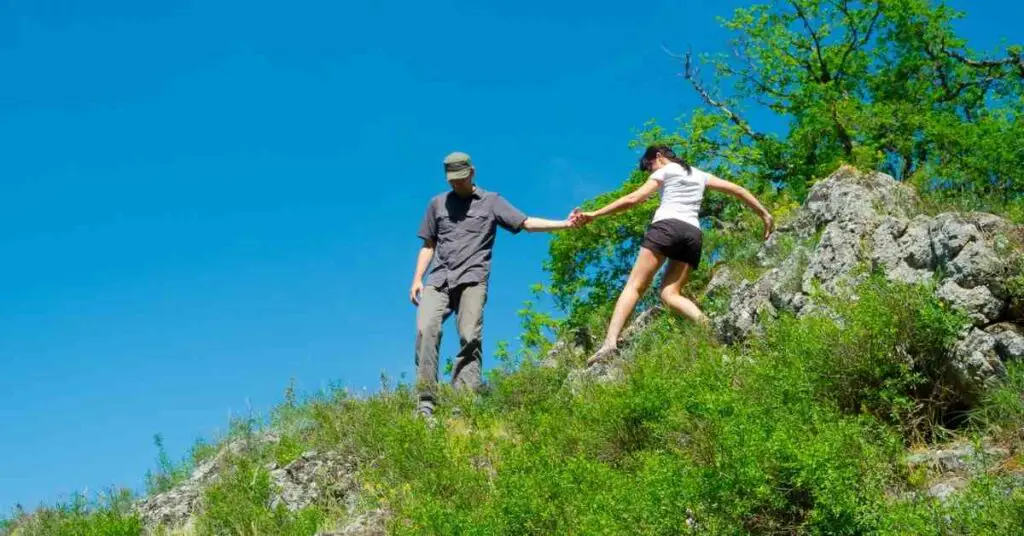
[{"x": 436, "y": 305}]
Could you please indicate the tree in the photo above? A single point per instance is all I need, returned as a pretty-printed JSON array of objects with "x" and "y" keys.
[{"x": 880, "y": 84}]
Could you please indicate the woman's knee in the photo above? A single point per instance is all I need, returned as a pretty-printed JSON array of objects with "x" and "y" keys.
[
  {"x": 638, "y": 286},
  {"x": 668, "y": 292}
]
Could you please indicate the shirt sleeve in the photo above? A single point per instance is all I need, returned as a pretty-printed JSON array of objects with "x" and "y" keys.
[
  {"x": 428, "y": 227},
  {"x": 660, "y": 174},
  {"x": 508, "y": 217}
]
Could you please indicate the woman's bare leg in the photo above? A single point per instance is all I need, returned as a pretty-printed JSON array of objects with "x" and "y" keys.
[
  {"x": 672, "y": 292},
  {"x": 646, "y": 265}
]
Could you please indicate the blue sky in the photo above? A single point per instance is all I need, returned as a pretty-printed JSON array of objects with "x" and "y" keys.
[{"x": 200, "y": 201}]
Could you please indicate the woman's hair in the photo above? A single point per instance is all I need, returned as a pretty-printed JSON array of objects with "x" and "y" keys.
[{"x": 652, "y": 152}]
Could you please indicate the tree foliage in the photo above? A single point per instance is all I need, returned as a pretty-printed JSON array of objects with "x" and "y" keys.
[{"x": 880, "y": 84}]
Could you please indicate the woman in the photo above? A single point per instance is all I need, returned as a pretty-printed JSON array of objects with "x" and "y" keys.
[{"x": 674, "y": 234}]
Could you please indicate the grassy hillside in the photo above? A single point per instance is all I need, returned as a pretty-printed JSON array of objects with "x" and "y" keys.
[{"x": 803, "y": 431}]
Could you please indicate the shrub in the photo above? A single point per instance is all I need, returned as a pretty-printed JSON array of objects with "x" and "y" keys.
[{"x": 239, "y": 505}]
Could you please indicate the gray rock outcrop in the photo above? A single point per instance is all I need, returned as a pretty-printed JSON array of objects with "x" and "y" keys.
[
  {"x": 948, "y": 469},
  {"x": 866, "y": 221},
  {"x": 311, "y": 478}
]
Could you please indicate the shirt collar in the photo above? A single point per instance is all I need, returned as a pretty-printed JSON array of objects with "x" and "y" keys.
[{"x": 478, "y": 193}]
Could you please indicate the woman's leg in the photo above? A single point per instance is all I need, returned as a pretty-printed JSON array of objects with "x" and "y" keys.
[
  {"x": 646, "y": 265},
  {"x": 672, "y": 292}
]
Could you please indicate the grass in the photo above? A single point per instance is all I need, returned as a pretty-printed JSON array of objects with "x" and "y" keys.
[{"x": 801, "y": 431}]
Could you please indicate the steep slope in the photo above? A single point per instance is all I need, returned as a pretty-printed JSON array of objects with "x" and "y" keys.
[{"x": 864, "y": 377}]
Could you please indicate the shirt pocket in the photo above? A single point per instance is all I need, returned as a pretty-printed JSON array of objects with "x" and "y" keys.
[{"x": 477, "y": 221}]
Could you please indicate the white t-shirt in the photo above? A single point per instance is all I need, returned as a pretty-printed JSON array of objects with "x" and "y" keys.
[{"x": 681, "y": 193}]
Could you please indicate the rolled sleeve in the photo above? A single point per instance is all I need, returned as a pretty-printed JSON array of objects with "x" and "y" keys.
[
  {"x": 428, "y": 227},
  {"x": 507, "y": 216}
]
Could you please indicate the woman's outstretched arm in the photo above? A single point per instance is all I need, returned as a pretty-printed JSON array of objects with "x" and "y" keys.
[
  {"x": 744, "y": 195},
  {"x": 625, "y": 202}
]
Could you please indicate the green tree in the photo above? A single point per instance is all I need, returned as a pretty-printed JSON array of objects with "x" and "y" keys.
[{"x": 880, "y": 84}]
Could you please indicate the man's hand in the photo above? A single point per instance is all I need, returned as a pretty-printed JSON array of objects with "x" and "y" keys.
[
  {"x": 578, "y": 218},
  {"x": 574, "y": 218},
  {"x": 414, "y": 292}
]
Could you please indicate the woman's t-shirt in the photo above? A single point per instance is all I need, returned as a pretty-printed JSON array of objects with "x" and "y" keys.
[{"x": 681, "y": 193}]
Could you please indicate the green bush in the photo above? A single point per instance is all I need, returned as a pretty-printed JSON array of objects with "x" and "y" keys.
[
  {"x": 107, "y": 515},
  {"x": 887, "y": 356}
]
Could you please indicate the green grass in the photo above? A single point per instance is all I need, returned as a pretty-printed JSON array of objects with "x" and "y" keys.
[
  {"x": 106, "y": 515},
  {"x": 801, "y": 431}
]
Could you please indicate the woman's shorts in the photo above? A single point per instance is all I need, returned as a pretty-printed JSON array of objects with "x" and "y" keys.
[{"x": 675, "y": 239}]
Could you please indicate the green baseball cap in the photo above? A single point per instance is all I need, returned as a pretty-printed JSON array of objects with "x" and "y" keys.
[{"x": 457, "y": 166}]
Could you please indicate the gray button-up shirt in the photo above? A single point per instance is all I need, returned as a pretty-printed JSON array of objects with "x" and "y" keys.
[{"x": 463, "y": 229}]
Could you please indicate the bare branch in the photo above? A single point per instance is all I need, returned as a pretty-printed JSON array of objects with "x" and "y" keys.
[
  {"x": 982, "y": 63},
  {"x": 691, "y": 74},
  {"x": 826, "y": 75},
  {"x": 1015, "y": 59}
]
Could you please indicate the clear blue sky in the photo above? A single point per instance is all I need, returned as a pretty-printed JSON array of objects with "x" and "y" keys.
[{"x": 202, "y": 200}]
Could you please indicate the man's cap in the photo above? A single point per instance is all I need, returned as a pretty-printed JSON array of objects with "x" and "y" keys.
[{"x": 457, "y": 166}]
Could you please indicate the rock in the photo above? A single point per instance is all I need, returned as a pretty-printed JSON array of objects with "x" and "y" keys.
[
  {"x": 749, "y": 304},
  {"x": 951, "y": 467},
  {"x": 949, "y": 234},
  {"x": 175, "y": 508},
  {"x": 312, "y": 477},
  {"x": 903, "y": 250},
  {"x": 723, "y": 281},
  {"x": 851, "y": 196},
  {"x": 570, "y": 350},
  {"x": 947, "y": 488},
  {"x": 785, "y": 292},
  {"x": 639, "y": 324},
  {"x": 957, "y": 458},
  {"x": 835, "y": 260},
  {"x": 1009, "y": 340},
  {"x": 864, "y": 221},
  {"x": 600, "y": 373},
  {"x": 978, "y": 302},
  {"x": 978, "y": 265},
  {"x": 371, "y": 523},
  {"x": 612, "y": 371},
  {"x": 975, "y": 361}
]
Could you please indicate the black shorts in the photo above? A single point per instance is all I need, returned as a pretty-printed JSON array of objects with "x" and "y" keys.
[{"x": 676, "y": 240}]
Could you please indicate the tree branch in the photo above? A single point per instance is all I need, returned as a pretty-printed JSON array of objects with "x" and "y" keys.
[
  {"x": 844, "y": 135},
  {"x": 855, "y": 40},
  {"x": 762, "y": 85},
  {"x": 1014, "y": 59},
  {"x": 826, "y": 75},
  {"x": 951, "y": 92},
  {"x": 691, "y": 74},
  {"x": 980, "y": 63}
]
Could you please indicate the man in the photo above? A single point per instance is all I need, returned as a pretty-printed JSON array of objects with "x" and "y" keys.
[{"x": 458, "y": 232}]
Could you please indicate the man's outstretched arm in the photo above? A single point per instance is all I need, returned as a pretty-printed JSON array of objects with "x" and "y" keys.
[
  {"x": 512, "y": 219},
  {"x": 422, "y": 261},
  {"x": 540, "y": 225}
]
